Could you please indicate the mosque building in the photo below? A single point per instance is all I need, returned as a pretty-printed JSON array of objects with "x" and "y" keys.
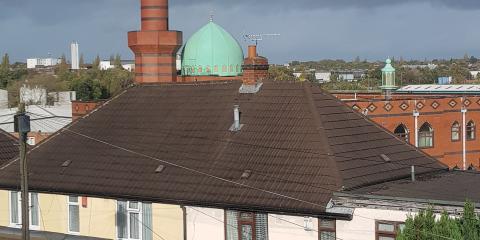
[
  {"x": 211, "y": 54},
  {"x": 441, "y": 120}
]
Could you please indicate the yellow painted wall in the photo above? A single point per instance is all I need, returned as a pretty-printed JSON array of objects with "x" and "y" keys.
[
  {"x": 98, "y": 218},
  {"x": 4, "y": 210},
  {"x": 167, "y": 221}
]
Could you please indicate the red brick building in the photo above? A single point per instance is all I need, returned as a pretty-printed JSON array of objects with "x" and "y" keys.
[{"x": 445, "y": 126}]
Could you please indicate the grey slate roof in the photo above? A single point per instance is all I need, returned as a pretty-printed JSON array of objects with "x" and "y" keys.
[
  {"x": 453, "y": 186},
  {"x": 299, "y": 143}
]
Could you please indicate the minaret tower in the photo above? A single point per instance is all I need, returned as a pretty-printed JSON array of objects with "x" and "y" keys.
[
  {"x": 155, "y": 46},
  {"x": 388, "y": 79}
]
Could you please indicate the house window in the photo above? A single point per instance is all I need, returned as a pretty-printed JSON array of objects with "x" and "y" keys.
[
  {"x": 134, "y": 220},
  {"x": 327, "y": 229},
  {"x": 402, "y": 132},
  {"x": 246, "y": 226},
  {"x": 387, "y": 230},
  {"x": 73, "y": 215},
  {"x": 456, "y": 131},
  {"x": 470, "y": 130},
  {"x": 16, "y": 210},
  {"x": 425, "y": 136}
]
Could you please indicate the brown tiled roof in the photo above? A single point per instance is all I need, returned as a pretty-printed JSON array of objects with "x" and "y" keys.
[
  {"x": 8, "y": 148},
  {"x": 299, "y": 143},
  {"x": 454, "y": 186}
]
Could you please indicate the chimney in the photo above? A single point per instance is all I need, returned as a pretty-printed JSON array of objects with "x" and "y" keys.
[
  {"x": 252, "y": 51},
  {"x": 255, "y": 68},
  {"x": 155, "y": 46}
]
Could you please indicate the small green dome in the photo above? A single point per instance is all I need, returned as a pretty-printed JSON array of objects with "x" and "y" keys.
[{"x": 212, "y": 51}]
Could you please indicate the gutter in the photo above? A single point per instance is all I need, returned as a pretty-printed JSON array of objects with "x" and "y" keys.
[{"x": 403, "y": 199}]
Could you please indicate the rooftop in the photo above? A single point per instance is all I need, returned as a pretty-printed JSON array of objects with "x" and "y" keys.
[
  {"x": 451, "y": 89},
  {"x": 171, "y": 143}
]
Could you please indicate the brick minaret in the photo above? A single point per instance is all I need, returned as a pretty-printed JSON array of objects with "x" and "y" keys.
[
  {"x": 155, "y": 47},
  {"x": 255, "y": 68}
]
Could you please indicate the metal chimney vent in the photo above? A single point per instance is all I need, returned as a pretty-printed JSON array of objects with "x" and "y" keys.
[
  {"x": 385, "y": 158},
  {"x": 236, "y": 126},
  {"x": 160, "y": 169},
  {"x": 66, "y": 163},
  {"x": 246, "y": 174}
]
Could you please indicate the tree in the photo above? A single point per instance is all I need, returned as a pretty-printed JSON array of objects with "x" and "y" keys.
[
  {"x": 118, "y": 61},
  {"x": 5, "y": 62},
  {"x": 469, "y": 223},
  {"x": 96, "y": 63},
  {"x": 82, "y": 61},
  {"x": 424, "y": 226}
]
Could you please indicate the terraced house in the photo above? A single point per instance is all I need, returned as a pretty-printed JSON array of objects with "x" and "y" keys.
[{"x": 239, "y": 157}]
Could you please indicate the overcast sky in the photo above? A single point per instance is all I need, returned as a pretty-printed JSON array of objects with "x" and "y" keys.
[{"x": 310, "y": 29}]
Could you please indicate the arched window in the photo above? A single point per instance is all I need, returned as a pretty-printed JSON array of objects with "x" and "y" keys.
[
  {"x": 470, "y": 130},
  {"x": 425, "y": 136},
  {"x": 402, "y": 132},
  {"x": 455, "y": 131}
]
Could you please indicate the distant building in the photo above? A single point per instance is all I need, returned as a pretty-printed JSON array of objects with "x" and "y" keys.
[
  {"x": 474, "y": 74},
  {"x": 33, "y": 63},
  {"x": 75, "y": 56},
  {"x": 33, "y": 96},
  {"x": 323, "y": 77},
  {"x": 444, "y": 80},
  {"x": 421, "y": 66},
  {"x": 128, "y": 65},
  {"x": 45, "y": 119},
  {"x": 350, "y": 75}
]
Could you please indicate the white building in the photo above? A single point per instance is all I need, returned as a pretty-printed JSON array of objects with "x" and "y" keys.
[
  {"x": 33, "y": 63},
  {"x": 323, "y": 77},
  {"x": 44, "y": 118},
  {"x": 74, "y": 49},
  {"x": 128, "y": 65},
  {"x": 474, "y": 74}
]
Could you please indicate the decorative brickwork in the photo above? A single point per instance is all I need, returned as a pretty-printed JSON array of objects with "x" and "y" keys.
[{"x": 155, "y": 47}]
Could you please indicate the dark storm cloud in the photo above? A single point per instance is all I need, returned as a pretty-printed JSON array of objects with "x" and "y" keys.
[
  {"x": 316, "y": 4},
  {"x": 310, "y": 29}
]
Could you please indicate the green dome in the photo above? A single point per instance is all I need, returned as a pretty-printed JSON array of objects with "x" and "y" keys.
[{"x": 212, "y": 51}]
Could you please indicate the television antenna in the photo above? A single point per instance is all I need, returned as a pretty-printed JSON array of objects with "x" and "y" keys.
[{"x": 259, "y": 37}]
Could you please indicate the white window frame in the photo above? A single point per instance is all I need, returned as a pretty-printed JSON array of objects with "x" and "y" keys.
[
  {"x": 139, "y": 211},
  {"x": 69, "y": 203},
  {"x": 19, "y": 207}
]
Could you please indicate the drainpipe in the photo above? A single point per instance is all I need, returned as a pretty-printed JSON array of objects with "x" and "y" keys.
[
  {"x": 464, "y": 138},
  {"x": 184, "y": 210},
  {"x": 416, "y": 114}
]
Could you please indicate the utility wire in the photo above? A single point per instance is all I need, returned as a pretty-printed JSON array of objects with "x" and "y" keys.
[{"x": 295, "y": 182}]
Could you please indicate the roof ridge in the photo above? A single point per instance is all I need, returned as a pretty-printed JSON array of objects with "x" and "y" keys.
[{"x": 318, "y": 124}]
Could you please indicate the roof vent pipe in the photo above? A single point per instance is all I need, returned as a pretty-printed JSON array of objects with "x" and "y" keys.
[
  {"x": 413, "y": 173},
  {"x": 236, "y": 119},
  {"x": 236, "y": 116}
]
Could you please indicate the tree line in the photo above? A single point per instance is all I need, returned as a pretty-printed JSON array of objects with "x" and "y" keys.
[
  {"x": 426, "y": 226},
  {"x": 89, "y": 83}
]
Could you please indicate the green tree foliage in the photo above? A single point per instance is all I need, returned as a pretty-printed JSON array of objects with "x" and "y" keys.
[
  {"x": 96, "y": 63},
  {"x": 424, "y": 226},
  {"x": 5, "y": 62},
  {"x": 82, "y": 61},
  {"x": 118, "y": 61},
  {"x": 470, "y": 223},
  {"x": 280, "y": 73}
]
